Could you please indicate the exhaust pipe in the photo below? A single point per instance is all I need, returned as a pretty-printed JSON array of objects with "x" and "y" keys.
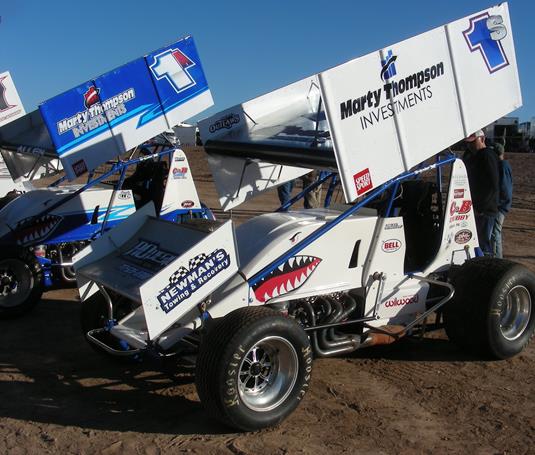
[{"x": 383, "y": 335}]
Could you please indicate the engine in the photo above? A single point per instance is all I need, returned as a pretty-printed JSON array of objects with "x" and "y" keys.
[{"x": 329, "y": 309}]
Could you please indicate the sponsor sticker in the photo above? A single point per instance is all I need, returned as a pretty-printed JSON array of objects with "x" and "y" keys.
[
  {"x": 458, "y": 193},
  {"x": 391, "y": 245},
  {"x": 363, "y": 181},
  {"x": 225, "y": 122},
  {"x": 133, "y": 271},
  {"x": 465, "y": 207},
  {"x": 187, "y": 280},
  {"x": 401, "y": 301},
  {"x": 95, "y": 113},
  {"x": 463, "y": 236},
  {"x": 149, "y": 255},
  {"x": 187, "y": 204},
  {"x": 393, "y": 226},
  {"x": 180, "y": 172},
  {"x": 123, "y": 195}
]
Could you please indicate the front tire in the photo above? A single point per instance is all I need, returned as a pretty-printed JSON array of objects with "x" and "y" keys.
[
  {"x": 253, "y": 368},
  {"x": 21, "y": 284},
  {"x": 492, "y": 312}
]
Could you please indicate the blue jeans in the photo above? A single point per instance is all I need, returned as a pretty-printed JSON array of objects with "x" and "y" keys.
[
  {"x": 497, "y": 235},
  {"x": 485, "y": 224},
  {"x": 285, "y": 191}
]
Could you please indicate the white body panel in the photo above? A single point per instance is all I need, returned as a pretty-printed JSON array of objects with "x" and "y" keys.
[
  {"x": 180, "y": 192},
  {"x": 322, "y": 267},
  {"x": 180, "y": 286},
  {"x": 11, "y": 107},
  {"x": 442, "y": 101},
  {"x": 476, "y": 76},
  {"x": 459, "y": 236},
  {"x": 237, "y": 181},
  {"x": 106, "y": 244},
  {"x": 266, "y": 113}
]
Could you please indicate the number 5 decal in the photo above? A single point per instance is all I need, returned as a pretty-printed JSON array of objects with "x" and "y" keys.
[
  {"x": 484, "y": 35},
  {"x": 172, "y": 65}
]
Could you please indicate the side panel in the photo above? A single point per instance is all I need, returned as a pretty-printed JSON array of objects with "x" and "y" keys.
[
  {"x": 391, "y": 110},
  {"x": 483, "y": 49},
  {"x": 333, "y": 262},
  {"x": 238, "y": 180},
  {"x": 180, "y": 191},
  {"x": 285, "y": 118},
  {"x": 459, "y": 236},
  {"x": 106, "y": 244},
  {"x": 188, "y": 280},
  {"x": 11, "y": 107}
]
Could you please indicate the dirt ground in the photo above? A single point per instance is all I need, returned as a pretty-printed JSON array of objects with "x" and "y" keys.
[{"x": 418, "y": 396}]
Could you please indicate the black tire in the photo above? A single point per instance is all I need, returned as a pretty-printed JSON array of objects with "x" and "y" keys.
[
  {"x": 226, "y": 355},
  {"x": 492, "y": 312},
  {"x": 21, "y": 283},
  {"x": 94, "y": 315}
]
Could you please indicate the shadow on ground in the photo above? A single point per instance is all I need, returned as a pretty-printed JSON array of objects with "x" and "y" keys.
[{"x": 49, "y": 374}]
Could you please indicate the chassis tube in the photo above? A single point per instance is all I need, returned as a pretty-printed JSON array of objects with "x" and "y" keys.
[{"x": 331, "y": 224}]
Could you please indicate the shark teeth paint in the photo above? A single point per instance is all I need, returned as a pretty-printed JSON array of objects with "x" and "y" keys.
[
  {"x": 286, "y": 278},
  {"x": 31, "y": 230}
]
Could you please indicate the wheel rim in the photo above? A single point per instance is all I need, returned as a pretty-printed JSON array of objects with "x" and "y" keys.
[
  {"x": 267, "y": 374},
  {"x": 516, "y": 313},
  {"x": 16, "y": 282}
]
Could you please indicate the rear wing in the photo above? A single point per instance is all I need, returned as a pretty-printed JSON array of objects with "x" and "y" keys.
[
  {"x": 379, "y": 115},
  {"x": 18, "y": 163},
  {"x": 113, "y": 113}
]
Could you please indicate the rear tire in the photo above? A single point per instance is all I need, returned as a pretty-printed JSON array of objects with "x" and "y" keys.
[
  {"x": 492, "y": 312},
  {"x": 21, "y": 283},
  {"x": 253, "y": 368}
]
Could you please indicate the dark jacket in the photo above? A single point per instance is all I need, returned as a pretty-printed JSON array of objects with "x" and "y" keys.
[
  {"x": 506, "y": 187},
  {"x": 483, "y": 175}
]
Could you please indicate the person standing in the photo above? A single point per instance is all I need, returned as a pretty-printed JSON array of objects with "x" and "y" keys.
[
  {"x": 482, "y": 168},
  {"x": 505, "y": 199},
  {"x": 311, "y": 200}
]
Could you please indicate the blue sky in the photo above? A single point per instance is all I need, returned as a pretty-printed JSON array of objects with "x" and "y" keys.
[{"x": 247, "y": 48}]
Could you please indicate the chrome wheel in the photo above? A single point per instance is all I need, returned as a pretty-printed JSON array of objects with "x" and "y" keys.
[
  {"x": 516, "y": 313},
  {"x": 16, "y": 282},
  {"x": 268, "y": 373}
]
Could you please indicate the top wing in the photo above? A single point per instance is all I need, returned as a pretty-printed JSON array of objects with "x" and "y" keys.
[
  {"x": 386, "y": 111},
  {"x": 110, "y": 114}
]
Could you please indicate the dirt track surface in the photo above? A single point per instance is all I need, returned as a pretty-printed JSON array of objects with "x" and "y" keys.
[{"x": 418, "y": 396}]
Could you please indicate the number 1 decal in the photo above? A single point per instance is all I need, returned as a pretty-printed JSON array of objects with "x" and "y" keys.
[
  {"x": 484, "y": 35},
  {"x": 172, "y": 65}
]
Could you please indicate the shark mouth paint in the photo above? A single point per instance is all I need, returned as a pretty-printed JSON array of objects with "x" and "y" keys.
[
  {"x": 32, "y": 230},
  {"x": 285, "y": 278}
]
